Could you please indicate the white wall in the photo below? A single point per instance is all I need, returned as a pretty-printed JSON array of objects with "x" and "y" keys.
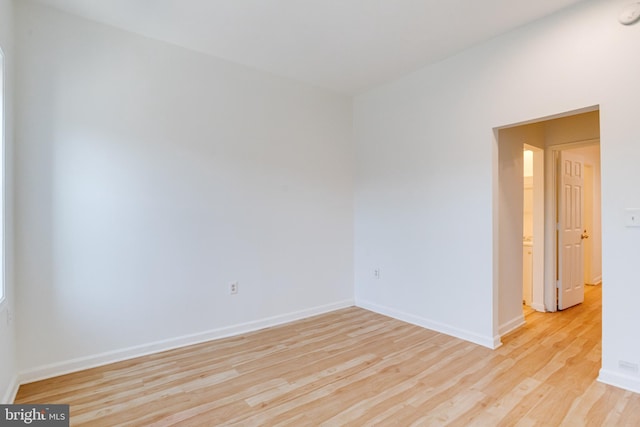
[
  {"x": 426, "y": 177},
  {"x": 149, "y": 177},
  {"x": 8, "y": 369},
  {"x": 511, "y": 214}
]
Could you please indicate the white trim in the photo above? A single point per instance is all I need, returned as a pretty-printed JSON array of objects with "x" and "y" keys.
[
  {"x": 550, "y": 229},
  {"x": 511, "y": 325},
  {"x": 82, "y": 363},
  {"x": 496, "y": 342},
  {"x": 537, "y": 280},
  {"x": 596, "y": 281},
  {"x": 575, "y": 144},
  {"x": 11, "y": 392},
  {"x": 538, "y": 307},
  {"x": 551, "y": 178},
  {"x": 616, "y": 379},
  {"x": 485, "y": 341}
]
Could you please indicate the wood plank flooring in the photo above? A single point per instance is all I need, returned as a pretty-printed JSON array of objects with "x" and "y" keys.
[{"x": 353, "y": 367}]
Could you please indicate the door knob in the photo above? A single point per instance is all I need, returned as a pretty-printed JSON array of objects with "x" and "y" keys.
[{"x": 584, "y": 235}]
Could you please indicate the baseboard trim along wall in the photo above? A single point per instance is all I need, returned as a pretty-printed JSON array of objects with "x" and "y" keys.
[
  {"x": 616, "y": 379},
  {"x": 595, "y": 281},
  {"x": 11, "y": 393},
  {"x": 484, "y": 341},
  {"x": 538, "y": 307},
  {"x": 511, "y": 325},
  {"x": 82, "y": 363}
]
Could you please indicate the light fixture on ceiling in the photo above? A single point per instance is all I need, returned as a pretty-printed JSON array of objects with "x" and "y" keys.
[{"x": 630, "y": 14}]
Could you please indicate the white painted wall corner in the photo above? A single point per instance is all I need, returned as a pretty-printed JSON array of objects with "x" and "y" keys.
[
  {"x": 485, "y": 341},
  {"x": 11, "y": 392}
]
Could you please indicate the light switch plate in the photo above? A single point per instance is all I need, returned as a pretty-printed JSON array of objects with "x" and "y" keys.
[{"x": 632, "y": 217}]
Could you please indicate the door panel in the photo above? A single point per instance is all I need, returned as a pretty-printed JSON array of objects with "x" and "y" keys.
[{"x": 570, "y": 226}]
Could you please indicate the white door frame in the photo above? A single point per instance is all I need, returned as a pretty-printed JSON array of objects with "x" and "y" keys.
[
  {"x": 550, "y": 219},
  {"x": 537, "y": 302},
  {"x": 546, "y": 290}
]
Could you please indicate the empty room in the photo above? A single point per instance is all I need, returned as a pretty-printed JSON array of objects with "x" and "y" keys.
[{"x": 261, "y": 212}]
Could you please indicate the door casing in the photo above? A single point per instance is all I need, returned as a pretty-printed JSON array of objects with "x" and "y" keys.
[{"x": 552, "y": 153}]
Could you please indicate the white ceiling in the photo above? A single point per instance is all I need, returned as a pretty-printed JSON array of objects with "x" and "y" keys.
[{"x": 343, "y": 45}]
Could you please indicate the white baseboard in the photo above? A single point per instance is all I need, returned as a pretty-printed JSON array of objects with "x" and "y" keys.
[
  {"x": 616, "y": 379},
  {"x": 596, "y": 281},
  {"x": 538, "y": 307},
  {"x": 497, "y": 342},
  {"x": 12, "y": 391},
  {"x": 485, "y": 341},
  {"x": 82, "y": 363},
  {"x": 511, "y": 325}
]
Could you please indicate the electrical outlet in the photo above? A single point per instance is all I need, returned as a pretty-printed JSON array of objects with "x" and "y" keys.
[
  {"x": 233, "y": 288},
  {"x": 376, "y": 273},
  {"x": 9, "y": 317}
]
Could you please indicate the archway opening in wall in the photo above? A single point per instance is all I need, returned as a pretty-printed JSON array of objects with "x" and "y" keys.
[{"x": 528, "y": 233}]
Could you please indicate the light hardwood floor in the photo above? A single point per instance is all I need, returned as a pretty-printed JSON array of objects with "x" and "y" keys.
[{"x": 354, "y": 367}]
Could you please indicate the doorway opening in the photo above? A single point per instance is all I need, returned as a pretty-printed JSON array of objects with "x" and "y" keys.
[{"x": 543, "y": 240}]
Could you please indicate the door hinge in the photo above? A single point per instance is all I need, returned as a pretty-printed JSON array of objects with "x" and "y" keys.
[
  {"x": 558, "y": 284},
  {"x": 557, "y": 226}
]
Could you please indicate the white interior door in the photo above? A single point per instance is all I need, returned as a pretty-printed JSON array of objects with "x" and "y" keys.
[{"x": 570, "y": 230}]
